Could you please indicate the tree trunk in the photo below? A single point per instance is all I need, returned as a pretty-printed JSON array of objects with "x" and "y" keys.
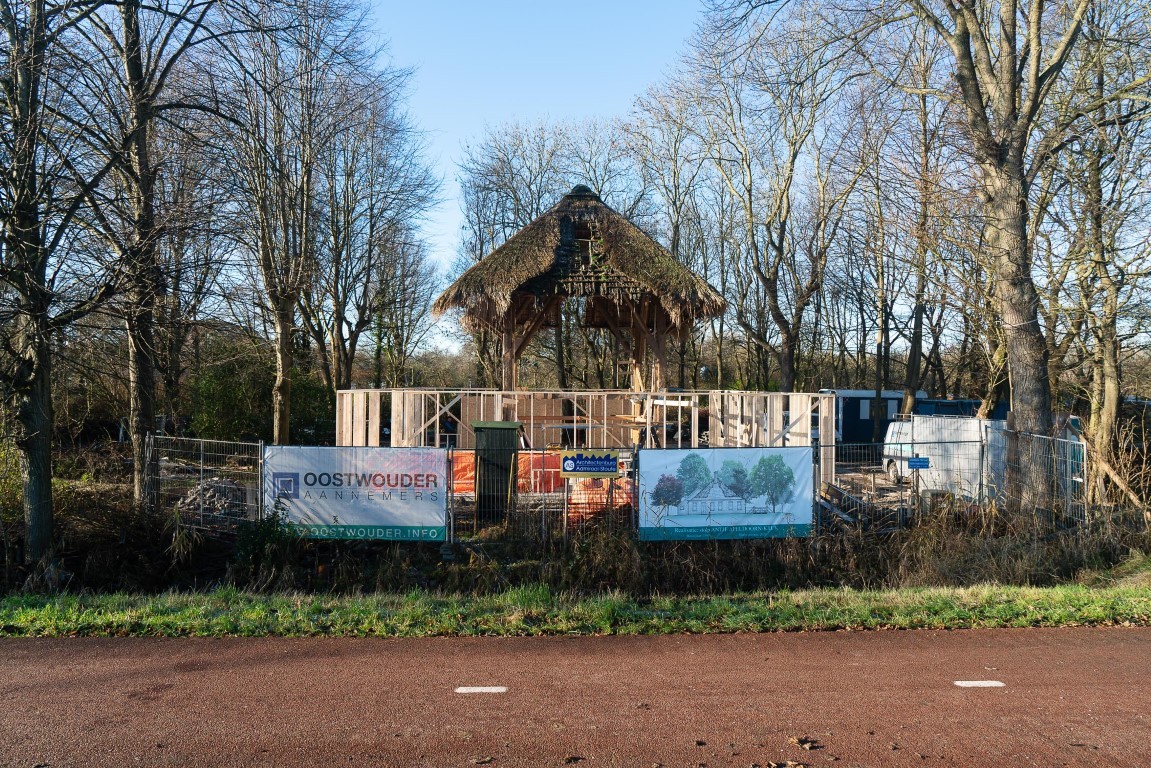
[
  {"x": 1018, "y": 302},
  {"x": 34, "y": 439},
  {"x": 1109, "y": 349},
  {"x": 788, "y": 350},
  {"x": 282, "y": 390},
  {"x": 141, "y": 385},
  {"x": 1106, "y": 389},
  {"x": 911, "y": 381},
  {"x": 1006, "y": 234},
  {"x": 142, "y": 260}
]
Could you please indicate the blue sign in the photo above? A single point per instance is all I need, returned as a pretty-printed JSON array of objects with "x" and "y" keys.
[
  {"x": 589, "y": 463},
  {"x": 919, "y": 462}
]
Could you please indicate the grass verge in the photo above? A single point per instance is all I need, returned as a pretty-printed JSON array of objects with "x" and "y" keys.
[{"x": 536, "y": 610}]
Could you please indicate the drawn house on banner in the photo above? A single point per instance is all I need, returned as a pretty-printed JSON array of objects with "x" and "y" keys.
[{"x": 715, "y": 498}]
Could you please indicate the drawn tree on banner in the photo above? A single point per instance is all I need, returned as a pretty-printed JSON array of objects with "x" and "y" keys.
[
  {"x": 733, "y": 476},
  {"x": 694, "y": 473},
  {"x": 668, "y": 491},
  {"x": 771, "y": 477}
]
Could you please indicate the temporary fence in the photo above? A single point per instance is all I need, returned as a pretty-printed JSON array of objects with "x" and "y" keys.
[
  {"x": 217, "y": 484},
  {"x": 1003, "y": 470},
  {"x": 1039, "y": 472},
  {"x": 209, "y": 483}
]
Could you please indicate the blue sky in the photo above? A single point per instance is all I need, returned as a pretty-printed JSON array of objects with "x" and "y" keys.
[{"x": 481, "y": 64}]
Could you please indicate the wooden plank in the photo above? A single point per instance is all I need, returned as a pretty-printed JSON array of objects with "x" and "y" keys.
[
  {"x": 343, "y": 418},
  {"x": 359, "y": 418},
  {"x": 827, "y": 438},
  {"x": 373, "y": 436}
]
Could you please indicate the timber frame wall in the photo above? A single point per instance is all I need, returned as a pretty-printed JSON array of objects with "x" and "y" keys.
[{"x": 593, "y": 419}]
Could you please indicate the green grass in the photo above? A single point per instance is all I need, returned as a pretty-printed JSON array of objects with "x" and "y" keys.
[{"x": 536, "y": 610}]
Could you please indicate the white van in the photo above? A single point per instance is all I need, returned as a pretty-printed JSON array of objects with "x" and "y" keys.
[{"x": 953, "y": 451}]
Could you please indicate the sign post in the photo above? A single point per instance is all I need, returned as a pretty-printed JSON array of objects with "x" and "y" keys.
[{"x": 916, "y": 463}]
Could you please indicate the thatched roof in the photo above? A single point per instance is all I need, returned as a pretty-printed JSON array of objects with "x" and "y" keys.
[{"x": 581, "y": 247}]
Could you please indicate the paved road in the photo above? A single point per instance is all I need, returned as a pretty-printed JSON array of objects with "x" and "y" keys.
[{"x": 1069, "y": 697}]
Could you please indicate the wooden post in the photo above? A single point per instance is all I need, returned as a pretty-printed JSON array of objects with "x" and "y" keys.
[
  {"x": 659, "y": 346},
  {"x": 638, "y": 347},
  {"x": 509, "y": 373}
]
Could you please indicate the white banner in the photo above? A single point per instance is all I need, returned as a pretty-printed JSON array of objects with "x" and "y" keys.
[
  {"x": 724, "y": 493},
  {"x": 359, "y": 493}
]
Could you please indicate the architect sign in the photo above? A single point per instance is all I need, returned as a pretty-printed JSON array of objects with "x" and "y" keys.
[
  {"x": 359, "y": 493},
  {"x": 589, "y": 463}
]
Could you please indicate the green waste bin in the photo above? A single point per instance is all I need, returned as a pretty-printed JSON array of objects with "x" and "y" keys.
[{"x": 496, "y": 445}]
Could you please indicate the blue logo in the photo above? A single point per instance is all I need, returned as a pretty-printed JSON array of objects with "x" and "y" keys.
[{"x": 286, "y": 485}]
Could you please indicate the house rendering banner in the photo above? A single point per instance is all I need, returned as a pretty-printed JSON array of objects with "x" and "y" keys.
[
  {"x": 725, "y": 493},
  {"x": 359, "y": 493}
]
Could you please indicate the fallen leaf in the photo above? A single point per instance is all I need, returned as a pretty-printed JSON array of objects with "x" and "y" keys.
[
  {"x": 805, "y": 742},
  {"x": 483, "y": 760}
]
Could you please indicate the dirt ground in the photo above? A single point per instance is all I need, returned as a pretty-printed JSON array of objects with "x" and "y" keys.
[{"x": 1069, "y": 697}]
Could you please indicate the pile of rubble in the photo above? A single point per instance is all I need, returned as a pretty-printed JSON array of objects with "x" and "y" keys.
[{"x": 218, "y": 497}]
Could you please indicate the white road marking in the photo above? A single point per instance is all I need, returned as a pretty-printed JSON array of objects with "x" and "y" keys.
[
  {"x": 979, "y": 684},
  {"x": 482, "y": 689}
]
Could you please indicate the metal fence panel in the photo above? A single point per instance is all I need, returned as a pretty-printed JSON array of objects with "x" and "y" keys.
[
  {"x": 1038, "y": 472},
  {"x": 1010, "y": 470},
  {"x": 208, "y": 483}
]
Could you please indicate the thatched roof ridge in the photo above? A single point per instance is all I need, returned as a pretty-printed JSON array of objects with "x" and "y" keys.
[{"x": 536, "y": 259}]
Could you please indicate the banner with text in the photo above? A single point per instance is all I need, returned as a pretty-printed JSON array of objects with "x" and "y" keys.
[
  {"x": 359, "y": 493},
  {"x": 724, "y": 493}
]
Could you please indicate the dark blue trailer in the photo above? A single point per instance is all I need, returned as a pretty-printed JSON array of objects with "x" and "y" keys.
[
  {"x": 856, "y": 415},
  {"x": 937, "y": 406}
]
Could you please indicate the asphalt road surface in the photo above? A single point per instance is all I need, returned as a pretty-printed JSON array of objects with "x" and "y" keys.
[{"x": 1068, "y": 697}]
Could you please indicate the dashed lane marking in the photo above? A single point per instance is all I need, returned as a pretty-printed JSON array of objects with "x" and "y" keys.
[
  {"x": 979, "y": 684},
  {"x": 482, "y": 689}
]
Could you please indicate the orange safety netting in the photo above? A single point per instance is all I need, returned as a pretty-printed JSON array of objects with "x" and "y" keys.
[
  {"x": 594, "y": 499},
  {"x": 535, "y": 472},
  {"x": 598, "y": 493}
]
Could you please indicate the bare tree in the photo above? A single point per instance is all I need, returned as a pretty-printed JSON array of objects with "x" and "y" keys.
[
  {"x": 1100, "y": 201},
  {"x": 372, "y": 186},
  {"x": 1008, "y": 60},
  {"x": 289, "y": 102},
  {"x": 668, "y": 153},
  {"x": 49, "y": 276},
  {"x": 132, "y": 52},
  {"x": 764, "y": 93},
  {"x": 192, "y": 251},
  {"x": 402, "y": 319}
]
